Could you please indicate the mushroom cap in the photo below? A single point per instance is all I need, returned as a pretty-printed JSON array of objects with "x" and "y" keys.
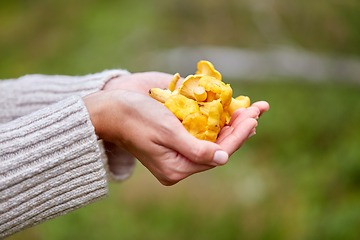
[
  {"x": 188, "y": 86},
  {"x": 205, "y": 68},
  {"x": 174, "y": 81},
  {"x": 205, "y": 107},
  {"x": 226, "y": 95},
  {"x": 203, "y": 103},
  {"x": 195, "y": 124},
  {"x": 211, "y": 84},
  {"x": 239, "y": 102},
  {"x": 181, "y": 106},
  {"x": 159, "y": 94},
  {"x": 200, "y": 94},
  {"x": 213, "y": 126}
]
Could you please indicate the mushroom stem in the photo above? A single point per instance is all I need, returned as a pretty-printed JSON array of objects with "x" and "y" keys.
[
  {"x": 174, "y": 81},
  {"x": 200, "y": 94},
  {"x": 159, "y": 94}
]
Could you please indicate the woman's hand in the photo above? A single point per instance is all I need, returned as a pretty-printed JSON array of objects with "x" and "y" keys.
[
  {"x": 150, "y": 132},
  {"x": 137, "y": 82},
  {"x": 229, "y": 134},
  {"x": 140, "y": 82}
]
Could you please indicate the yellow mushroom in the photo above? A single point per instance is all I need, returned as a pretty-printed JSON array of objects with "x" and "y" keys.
[
  {"x": 181, "y": 106},
  {"x": 200, "y": 94},
  {"x": 211, "y": 84},
  {"x": 226, "y": 117},
  {"x": 216, "y": 89},
  {"x": 236, "y": 103},
  {"x": 226, "y": 95},
  {"x": 160, "y": 94},
  {"x": 174, "y": 81},
  {"x": 211, "y": 96},
  {"x": 205, "y": 68},
  {"x": 205, "y": 107},
  {"x": 188, "y": 86},
  {"x": 245, "y": 99},
  {"x": 203, "y": 102},
  {"x": 195, "y": 124},
  {"x": 223, "y": 119},
  {"x": 239, "y": 102},
  {"x": 213, "y": 125}
]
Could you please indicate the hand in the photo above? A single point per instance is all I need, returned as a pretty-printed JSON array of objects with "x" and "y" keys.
[
  {"x": 150, "y": 132},
  {"x": 137, "y": 82},
  {"x": 140, "y": 82},
  {"x": 229, "y": 134}
]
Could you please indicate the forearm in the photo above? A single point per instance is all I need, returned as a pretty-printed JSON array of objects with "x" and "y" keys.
[
  {"x": 50, "y": 164},
  {"x": 30, "y": 93}
]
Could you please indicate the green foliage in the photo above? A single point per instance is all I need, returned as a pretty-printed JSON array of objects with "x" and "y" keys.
[{"x": 298, "y": 178}]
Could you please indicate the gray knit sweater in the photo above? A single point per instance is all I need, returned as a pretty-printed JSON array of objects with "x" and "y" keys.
[{"x": 50, "y": 160}]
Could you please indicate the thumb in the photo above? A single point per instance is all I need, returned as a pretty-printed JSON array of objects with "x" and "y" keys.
[{"x": 198, "y": 151}]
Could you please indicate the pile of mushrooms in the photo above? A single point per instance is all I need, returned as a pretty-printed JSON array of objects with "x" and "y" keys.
[{"x": 203, "y": 102}]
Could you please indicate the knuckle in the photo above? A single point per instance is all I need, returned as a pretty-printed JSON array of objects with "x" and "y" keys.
[
  {"x": 171, "y": 179},
  {"x": 166, "y": 183},
  {"x": 200, "y": 154},
  {"x": 252, "y": 121},
  {"x": 164, "y": 131},
  {"x": 252, "y": 113}
]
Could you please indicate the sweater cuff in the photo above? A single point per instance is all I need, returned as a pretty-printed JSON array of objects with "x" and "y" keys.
[
  {"x": 121, "y": 167},
  {"x": 50, "y": 164},
  {"x": 22, "y": 96}
]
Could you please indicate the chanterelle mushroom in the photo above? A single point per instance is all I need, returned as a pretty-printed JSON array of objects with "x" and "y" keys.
[
  {"x": 181, "y": 106},
  {"x": 188, "y": 86},
  {"x": 213, "y": 125},
  {"x": 196, "y": 124},
  {"x": 160, "y": 94},
  {"x": 205, "y": 68},
  {"x": 174, "y": 81},
  {"x": 202, "y": 102}
]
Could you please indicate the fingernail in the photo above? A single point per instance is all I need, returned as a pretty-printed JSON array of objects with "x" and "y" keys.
[
  {"x": 251, "y": 134},
  {"x": 220, "y": 157}
]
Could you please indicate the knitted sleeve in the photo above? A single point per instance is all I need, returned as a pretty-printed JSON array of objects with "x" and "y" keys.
[
  {"x": 19, "y": 97},
  {"x": 50, "y": 164},
  {"x": 22, "y": 96}
]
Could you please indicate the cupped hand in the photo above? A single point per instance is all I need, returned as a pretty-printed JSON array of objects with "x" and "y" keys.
[
  {"x": 150, "y": 132},
  {"x": 232, "y": 136},
  {"x": 140, "y": 82}
]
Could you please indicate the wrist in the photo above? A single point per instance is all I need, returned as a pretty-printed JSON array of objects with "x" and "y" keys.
[
  {"x": 94, "y": 105},
  {"x": 111, "y": 84}
]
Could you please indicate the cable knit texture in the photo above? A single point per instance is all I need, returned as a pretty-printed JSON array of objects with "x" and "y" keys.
[
  {"x": 19, "y": 97},
  {"x": 50, "y": 160}
]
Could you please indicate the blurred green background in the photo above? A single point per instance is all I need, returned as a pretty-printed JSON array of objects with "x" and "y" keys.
[{"x": 298, "y": 178}]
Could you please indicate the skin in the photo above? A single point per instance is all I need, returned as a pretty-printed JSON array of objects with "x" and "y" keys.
[{"x": 133, "y": 124}]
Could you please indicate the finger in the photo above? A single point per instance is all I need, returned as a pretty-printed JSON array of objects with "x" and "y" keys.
[
  {"x": 238, "y": 116},
  {"x": 198, "y": 151},
  {"x": 204, "y": 152},
  {"x": 227, "y": 130},
  {"x": 236, "y": 113},
  {"x": 263, "y": 106},
  {"x": 252, "y": 133},
  {"x": 238, "y": 136},
  {"x": 180, "y": 168},
  {"x": 243, "y": 113},
  {"x": 159, "y": 79}
]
